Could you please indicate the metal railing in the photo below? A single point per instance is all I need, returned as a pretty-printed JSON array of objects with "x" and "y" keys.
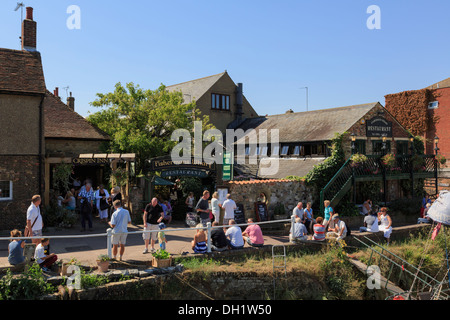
[{"x": 108, "y": 234}]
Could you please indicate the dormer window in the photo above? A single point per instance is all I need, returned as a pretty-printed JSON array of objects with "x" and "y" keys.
[{"x": 220, "y": 101}]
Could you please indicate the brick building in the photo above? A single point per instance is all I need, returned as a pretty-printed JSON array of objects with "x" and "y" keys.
[
  {"x": 218, "y": 97},
  {"x": 37, "y": 130},
  {"x": 432, "y": 104}
]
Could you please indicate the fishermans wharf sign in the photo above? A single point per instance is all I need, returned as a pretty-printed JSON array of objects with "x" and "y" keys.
[
  {"x": 189, "y": 167},
  {"x": 379, "y": 127}
]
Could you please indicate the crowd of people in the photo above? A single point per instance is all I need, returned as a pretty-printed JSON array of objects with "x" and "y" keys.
[
  {"x": 225, "y": 236},
  {"x": 330, "y": 226}
]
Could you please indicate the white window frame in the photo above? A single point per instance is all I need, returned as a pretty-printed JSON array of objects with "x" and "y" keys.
[
  {"x": 264, "y": 151},
  {"x": 283, "y": 153},
  {"x": 275, "y": 150},
  {"x": 433, "y": 105},
  {"x": 10, "y": 191},
  {"x": 296, "y": 151}
]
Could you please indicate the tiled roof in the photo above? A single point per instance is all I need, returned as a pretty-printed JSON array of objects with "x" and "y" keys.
[
  {"x": 62, "y": 122},
  {"x": 196, "y": 88},
  {"x": 317, "y": 125},
  {"x": 259, "y": 181},
  {"x": 441, "y": 84},
  {"x": 21, "y": 72}
]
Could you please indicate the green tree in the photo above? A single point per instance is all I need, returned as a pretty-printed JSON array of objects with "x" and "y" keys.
[{"x": 142, "y": 121}]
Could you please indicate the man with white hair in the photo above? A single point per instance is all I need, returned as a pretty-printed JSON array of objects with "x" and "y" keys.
[
  {"x": 299, "y": 212},
  {"x": 229, "y": 206}
]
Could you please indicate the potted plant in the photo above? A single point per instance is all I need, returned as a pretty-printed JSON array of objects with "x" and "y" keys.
[
  {"x": 357, "y": 159},
  {"x": 161, "y": 259},
  {"x": 388, "y": 160},
  {"x": 65, "y": 265},
  {"x": 441, "y": 159},
  {"x": 103, "y": 262}
]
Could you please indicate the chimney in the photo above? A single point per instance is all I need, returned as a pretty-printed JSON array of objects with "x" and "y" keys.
[
  {"x": 239, "y": 102},
  {"x": 56, "y": 92},
  {"x": 29, "y": 31},
  {"x": 71, "y": 102}
]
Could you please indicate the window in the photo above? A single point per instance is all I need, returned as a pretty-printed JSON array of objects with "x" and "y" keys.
[
  {"x": 360, "y": 146},
  {"x": 377, "y": 147},
  {"x": 296, "y": 151},
  {"x": 220, "y": 101},
  {"x": 284, "y": 150},
  {"x": 433, "y": 105},
  {"x": 247, "y": 151},
  {"x": 402, "y": 147},
  {"x": 5, "y": 190},
  {"x": 275, "y": 150},
  {"x": 263, "y": 151}
]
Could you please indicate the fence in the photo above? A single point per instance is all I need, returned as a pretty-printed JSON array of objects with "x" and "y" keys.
[{"x": 109, "y": 233}]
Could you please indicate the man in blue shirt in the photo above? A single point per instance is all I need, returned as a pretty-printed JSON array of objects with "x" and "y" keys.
[
  {"x": 87, "y": 198},
  {"x": 119, "y": 222}
]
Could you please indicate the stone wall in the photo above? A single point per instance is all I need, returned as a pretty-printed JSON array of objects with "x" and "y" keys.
[
  {"x": 285, "y": 192},
  {"x": 23, "y": 171}
]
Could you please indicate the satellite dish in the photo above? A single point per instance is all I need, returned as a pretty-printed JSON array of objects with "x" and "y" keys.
[{"x": 440, "y": 209}]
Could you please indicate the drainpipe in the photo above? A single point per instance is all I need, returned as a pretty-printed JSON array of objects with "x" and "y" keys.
[{"x": 41, "y": 138}]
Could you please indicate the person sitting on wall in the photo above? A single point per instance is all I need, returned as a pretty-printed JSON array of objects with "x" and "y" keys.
[
  {"x": 370, "y": 222},
  {"x": 339, "y": 230},
  {"x": 426, "y": 218},
  {"x": 234, "y": 234},
  {"x": 253, "y": 234},
  {"x": 299, "y": 231},
  {"x": 218, "y": 238}
]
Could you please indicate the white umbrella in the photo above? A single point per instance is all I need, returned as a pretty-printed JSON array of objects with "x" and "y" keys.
[{"x": 440, "y": 209}]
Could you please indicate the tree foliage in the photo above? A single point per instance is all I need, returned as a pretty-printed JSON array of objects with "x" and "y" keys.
[{"x": 142, "y": 121}]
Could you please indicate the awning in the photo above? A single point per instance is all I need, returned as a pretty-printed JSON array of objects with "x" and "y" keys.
[{"x": 157, "y": 181}]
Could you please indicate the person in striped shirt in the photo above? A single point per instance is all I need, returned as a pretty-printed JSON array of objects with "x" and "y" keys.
[{"x": 319, "y": 230}]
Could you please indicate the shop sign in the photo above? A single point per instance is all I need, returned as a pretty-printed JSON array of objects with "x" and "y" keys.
[
  {"x": 184, "y": 172},
  {"x": 90, "y": 161},
  {"x": 378, "y": 127}
]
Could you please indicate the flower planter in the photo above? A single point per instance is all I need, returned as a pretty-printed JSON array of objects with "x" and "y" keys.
[
  {"x": 161, "y": 263},
  {"x": 103, "y": 265}
]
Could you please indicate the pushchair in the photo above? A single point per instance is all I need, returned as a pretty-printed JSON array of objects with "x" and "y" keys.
[{"x": 192, "y": 219}]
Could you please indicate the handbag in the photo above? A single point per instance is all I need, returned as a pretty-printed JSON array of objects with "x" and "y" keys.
[
  {"x": 27, "y": 232},
  {"x": 103, "y": 205}
]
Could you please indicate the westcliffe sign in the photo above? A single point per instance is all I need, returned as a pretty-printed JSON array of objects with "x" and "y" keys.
[{"x": 378, "y": 127}]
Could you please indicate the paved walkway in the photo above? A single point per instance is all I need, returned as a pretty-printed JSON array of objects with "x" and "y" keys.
[{"x": 86, "y": 250}]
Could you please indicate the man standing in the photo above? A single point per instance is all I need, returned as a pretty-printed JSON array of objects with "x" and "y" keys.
[
  {"x": 119, "y": 222},
  {"x": 153, "y": 215},
  {"x": 298, "y": 211},
  {"x": 229, "y": 206},
  {"x": 253, "y": 234},
  {"x": 34, "y": 219},
  {"x": 87, "y": 197},
  {"x": 202, "y": 208}
]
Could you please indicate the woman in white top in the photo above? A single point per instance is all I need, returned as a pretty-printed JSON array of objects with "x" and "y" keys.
[
  {"x": 101, "y": 195},
  {"x": 385, "y": 223},
  {"x": 215, "y": 206}
]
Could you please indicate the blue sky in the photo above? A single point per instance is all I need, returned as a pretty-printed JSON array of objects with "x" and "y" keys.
[{"x": 273, "y": 47}]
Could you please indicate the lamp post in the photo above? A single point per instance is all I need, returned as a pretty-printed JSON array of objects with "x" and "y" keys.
[
  {"x": 353, "y": 142},
  {"x": 436, "y": 149},
  {"x": 353, "y": 136},
  {"x": 411, "y": 140},
  {"x": 383, "y": 153}
]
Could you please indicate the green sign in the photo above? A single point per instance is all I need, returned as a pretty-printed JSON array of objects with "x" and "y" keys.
[{"x": 227, "y": 167}]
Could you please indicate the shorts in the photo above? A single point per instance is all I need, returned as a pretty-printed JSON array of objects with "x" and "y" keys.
[
  {"x": 250, "y": 243},
  {"x": 152, "y": 235},
  {"x": 37, "y": 233},
  {"x": 120, "y": 238}
]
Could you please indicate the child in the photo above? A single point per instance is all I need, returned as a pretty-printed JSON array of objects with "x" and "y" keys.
[
  {"x": 162, "y": 237},
  {"x": 15, "y": 248},
  {"x": 44, "y": 261}
]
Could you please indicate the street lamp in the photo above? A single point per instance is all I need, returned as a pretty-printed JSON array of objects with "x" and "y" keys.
[
  {"x": 436, "y": 141},
  {"x": 411, "y": 142},
  {"x": 353, "y": 142},
  {"x": 384, "y": 145}
]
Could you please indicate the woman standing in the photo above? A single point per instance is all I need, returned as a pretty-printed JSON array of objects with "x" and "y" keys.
[
  {"x": 115, "y": 195},
  {"x": 215, "y": 206},
  {"x": 190, "y": 202},
  {"x": 102, "y": 197},
  {"x": 328, "y": 212},
  {"x": 385, "y": 223}
]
